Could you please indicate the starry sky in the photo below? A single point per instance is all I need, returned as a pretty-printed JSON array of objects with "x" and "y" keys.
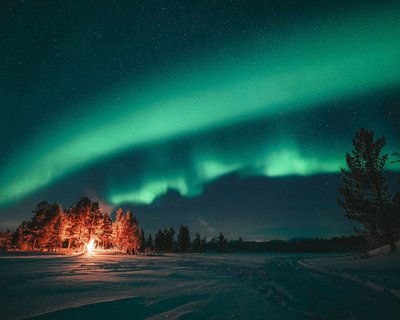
[{"x": 230, "y": 116}]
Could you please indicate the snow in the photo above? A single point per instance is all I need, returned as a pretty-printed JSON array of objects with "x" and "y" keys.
[
  {"x": 197, "y": 286},
  {"x": 383, "y": 250},
  {"x": 380, "y": 272}
]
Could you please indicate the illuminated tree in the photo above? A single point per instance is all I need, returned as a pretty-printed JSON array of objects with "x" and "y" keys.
[
  {"x": 83, "y": 221},
  {"x": 55, "y": 227},
  {"x": 71, "y": 226},
  {"x": 365, "y": 194},
  {"x": 50, "y": 227},
  {"x": 131, "y": 234},
  {"x": 117, "y": 229},
  {"x": 106, "y": 231},
  {"x": 126, "y": 233},
  {"x": 22, "y": 237},
  {"x": 93, "y": 223}
]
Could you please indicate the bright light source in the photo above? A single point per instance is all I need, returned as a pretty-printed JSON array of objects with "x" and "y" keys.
[{"x": 90, "y": 246}]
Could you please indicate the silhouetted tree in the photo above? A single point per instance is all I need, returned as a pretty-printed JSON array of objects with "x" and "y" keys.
[
  {"x": 220, "y": 242},
  {"x": 183, "y": 242},
  {"x": 149, "y": 243},
  {"x": 164, "y": 240},
  {"x": 199, "y": 243},
  {"x": 169, "y": 239},
  {"x": 5, "y": 240},
  {"x": 38, "y": 226},
  {"x": 159, "y": 241},
  {"x": 143, "y": 242},
  {"x": 365, "y": 194}
]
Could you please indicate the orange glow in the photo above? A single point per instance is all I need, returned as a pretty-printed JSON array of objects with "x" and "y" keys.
[{"x": 90, "y": 246}]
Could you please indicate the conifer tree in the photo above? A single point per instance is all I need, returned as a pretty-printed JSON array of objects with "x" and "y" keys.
[
  {"x": 365, "y": 196},
  {"x": 5, "y": 240},
  {"x": 83, "y": 221},
  {"x": 22, "y": 236},
  {"x": 106, "y": 231},
  {"x": 37, "y": 226},
  {"x": 159, "y": 241},
  {"x": 71, "y": 224},
  {"x": 149, "y": 242},
  {"x": 169, "y": 239},
  {"x": 93, "y": 223},
  {"x": 143, "y": 243},
  {"x": 131, "y": 233},
  {"x": 220, "y": 242},
  {"x": 196, "y": 244},
  {"x": 183, "y": 242},
  {"x": 55, "y": 227},
  {"x": 117, "y": 229}
]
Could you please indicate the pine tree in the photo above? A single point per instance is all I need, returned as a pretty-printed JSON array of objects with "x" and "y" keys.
[
  {"x": 159, "y": 241},
  {"x": 55, "y": 227},
  {"x": 199, "y": 243},
  {"x": 149, "y": 242},
  {"x": 220, "y": 242},
  {"x": 106, "y": 231},
  {"x": 21, "y": 237},
  {"x": 71, "y": 226},
  {"x": 118, "y": 229},
  {"x": 365, "y": 194},
  {"x": 133, "y": 233},
  {"x": 83, "y": 221},
  {"x": 93, "y": 223},
  {"x": 169, "y": 239},
  {"x": 5, "y": 240},
  {"x": 37, "y": 226},
  {"x": 142, "y": 241},
  {"x": 183, "y": 242}
]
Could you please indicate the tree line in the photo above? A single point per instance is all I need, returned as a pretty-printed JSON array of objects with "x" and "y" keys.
[
  {"x": 51, "y": 228},
  {"x": 116, "y": 235}
]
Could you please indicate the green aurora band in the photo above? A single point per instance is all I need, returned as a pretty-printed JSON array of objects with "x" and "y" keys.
[{"x": 332, "y": 61}]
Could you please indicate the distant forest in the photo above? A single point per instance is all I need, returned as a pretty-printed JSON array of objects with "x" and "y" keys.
[{"x": 53, "y": 229}]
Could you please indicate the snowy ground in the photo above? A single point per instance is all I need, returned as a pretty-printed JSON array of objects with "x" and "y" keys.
[{"x": 264, "y": 286}]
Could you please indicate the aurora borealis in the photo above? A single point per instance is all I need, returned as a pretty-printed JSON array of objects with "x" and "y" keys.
[{"x": 162, "y": 95}]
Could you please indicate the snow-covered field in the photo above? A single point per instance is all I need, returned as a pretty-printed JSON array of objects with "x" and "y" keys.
[{"x": 200, "y": 286}]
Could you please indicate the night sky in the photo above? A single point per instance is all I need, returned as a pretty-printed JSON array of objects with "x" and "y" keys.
[{"x": 230, "y": 116}]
